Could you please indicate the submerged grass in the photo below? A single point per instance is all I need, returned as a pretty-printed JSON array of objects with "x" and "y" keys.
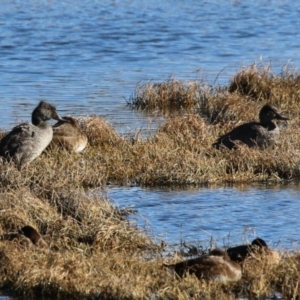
[{"x": 93, "y": 251}]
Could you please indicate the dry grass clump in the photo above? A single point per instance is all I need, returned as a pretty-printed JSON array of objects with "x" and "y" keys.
[
  {"x": 172, "y": 156},
  {"x": 288, "y": 276},
  {"x": 255, "y": 81},
  {"x": 225, "y": 108},
  {"x": 261, "y": 84},
  {"x": 170, "y": 95},
  {"x": 99, "y": 132},
  {"x": 184, "y": 131},
  {"x": 260, "y": 276},
  {"x": 91, "y": 246}
]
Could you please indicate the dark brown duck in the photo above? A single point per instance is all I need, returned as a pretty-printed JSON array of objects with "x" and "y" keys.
[
  {"x": 262, "y": 134},
  {"x": 26, "y": 236},
  {"x": 258, "y": 247},
  {"x": 215, "y": 266},
  {"x": 32, "y": 234}
]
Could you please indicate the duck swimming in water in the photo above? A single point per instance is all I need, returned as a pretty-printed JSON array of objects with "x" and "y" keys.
[
  {"x": 263, "y": 134},
  {"x": 27, "y": 141},
  {"x": 67, "y": 134},
  {"x": 215, "y": 266}
]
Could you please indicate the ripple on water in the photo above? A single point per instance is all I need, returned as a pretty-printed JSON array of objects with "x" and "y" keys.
[
  {"x": 88, "y": 56},
  {"x": 225, "y": 215}
]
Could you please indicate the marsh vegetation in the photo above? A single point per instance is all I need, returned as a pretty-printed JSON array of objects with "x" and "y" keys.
[{"x": 93, "y": 251}]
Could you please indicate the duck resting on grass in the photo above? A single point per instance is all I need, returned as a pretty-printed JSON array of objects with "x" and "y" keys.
[
  {"x": 27, "y": 141},
  {"x": 262, "y": 134},
  {"x": 258, "y": 248},
  {"x": 32, "y": 234},
  {"x": 216, "y": 266},
  {"x": 67, "y": 134},
  {"x": 26, "y": 237}
]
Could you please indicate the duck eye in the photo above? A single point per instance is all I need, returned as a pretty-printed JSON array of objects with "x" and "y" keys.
[{"x": 271, "y": 114}]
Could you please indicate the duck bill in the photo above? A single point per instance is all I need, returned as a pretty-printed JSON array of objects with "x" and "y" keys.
[
  {"x": 280, "y": 117},
  {"x": 58, "y": 118},
  {"x": 66, "y": 119}
]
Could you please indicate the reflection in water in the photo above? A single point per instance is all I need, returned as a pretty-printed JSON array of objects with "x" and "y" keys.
[{"x": 225, "y": 216}]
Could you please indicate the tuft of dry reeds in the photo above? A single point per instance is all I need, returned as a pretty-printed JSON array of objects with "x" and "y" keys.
[
  {"x": 171, "y": 95},
  {"x": 261, "y": 84}
]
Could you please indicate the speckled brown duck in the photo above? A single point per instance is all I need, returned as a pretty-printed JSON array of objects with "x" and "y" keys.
[
  {"x": 257, "y": 248},
  {"x": 262, "y": 134},
  {"x": 27, "y": 141},
  {"x": 216, "y": 266},
  {"x": 67, "y": 134},
  {"x": 34, "y": 236},
  {"x": 27, "y": 236}
]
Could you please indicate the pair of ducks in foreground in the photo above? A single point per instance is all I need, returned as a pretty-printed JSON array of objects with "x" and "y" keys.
[
  {"x": 27, "y": 141},
  {"x": 224, "y": 266}
]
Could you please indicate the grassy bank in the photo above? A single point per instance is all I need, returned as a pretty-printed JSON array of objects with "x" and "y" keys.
[{"x": 93, "y": 251}]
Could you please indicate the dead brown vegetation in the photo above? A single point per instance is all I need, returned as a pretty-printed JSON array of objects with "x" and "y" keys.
[
  {"x": 261, "y": 84},
  {"x": 93, "y": 252},
  {"x": 171, "y": 95}
]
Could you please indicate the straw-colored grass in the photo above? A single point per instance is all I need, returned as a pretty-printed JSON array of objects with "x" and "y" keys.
[
  {"x": 262, "y": 84},
  {"x": 171, "y": 95},
  {"x": 94, "y": 253}
]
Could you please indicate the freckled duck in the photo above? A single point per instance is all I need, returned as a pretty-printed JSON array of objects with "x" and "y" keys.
[
  {"x": 215, "y": 266},
  {"x": 67, "y": 134},
  {"x": 263, "y": 134},
  {"x": 27, "y": 141},
  {"x": 258, "y": 247}
]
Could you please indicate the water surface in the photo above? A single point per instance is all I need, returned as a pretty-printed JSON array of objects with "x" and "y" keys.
[
  {"x": 88, "y": 56},
  {"x": 224, "y": 216}
]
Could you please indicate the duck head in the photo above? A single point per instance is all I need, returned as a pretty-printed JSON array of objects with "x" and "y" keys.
[
  {"x": 268, "y": 113},
  {"x": 44, "y": 112}
]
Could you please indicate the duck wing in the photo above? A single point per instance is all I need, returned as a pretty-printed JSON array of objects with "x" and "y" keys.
[
  {"x": 66, "y": 129},
  {"x": 246, "y": 133},
  {"x": 14, "y": 140}
]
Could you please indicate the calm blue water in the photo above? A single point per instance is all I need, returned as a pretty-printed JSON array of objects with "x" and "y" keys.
[
  {"x": 88, "y": 56},
  {"x": 224, "y": 216}
]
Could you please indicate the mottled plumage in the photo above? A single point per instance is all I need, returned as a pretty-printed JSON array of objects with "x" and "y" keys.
[
  {"x": 32, "y": 234},
  {"x": 215, "y": 266},
  {"x": 27, "y": 141},
  {"x": 258, "y": 247},
  {"x": 67, "y": 134},
  {"x": 262, "y": 134}
]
